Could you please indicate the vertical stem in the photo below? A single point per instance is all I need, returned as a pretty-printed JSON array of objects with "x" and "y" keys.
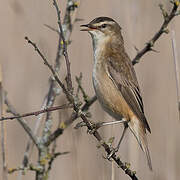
[
  {"x": 41, "y": 174},
  {"x": 176, "y": 67},
  {"x": 4, "y": 170},
  {"x": 4, "y": 166}
]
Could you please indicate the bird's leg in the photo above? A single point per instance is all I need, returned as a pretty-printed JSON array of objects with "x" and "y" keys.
[
  {"x": 96, "y": 126},
  {"x": 101, "y": 124},
  {"x": 122, "y": 136},
  {"x": 114, "y": 150}
]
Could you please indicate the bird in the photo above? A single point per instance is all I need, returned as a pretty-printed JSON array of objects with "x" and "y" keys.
[{"x": 115, "y": 81}]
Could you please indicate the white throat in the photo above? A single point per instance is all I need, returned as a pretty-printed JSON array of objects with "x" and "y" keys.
[{"x": 99, "y": 40}]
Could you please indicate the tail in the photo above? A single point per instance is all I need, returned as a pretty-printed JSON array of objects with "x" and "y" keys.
[{"x": 139, "y": 132}]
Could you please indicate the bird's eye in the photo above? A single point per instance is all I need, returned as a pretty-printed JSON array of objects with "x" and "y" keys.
[{"x": 103, "y": 25}]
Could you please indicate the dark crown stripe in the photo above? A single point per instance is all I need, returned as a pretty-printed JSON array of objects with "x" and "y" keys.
[{"x": 101, "y": 19}]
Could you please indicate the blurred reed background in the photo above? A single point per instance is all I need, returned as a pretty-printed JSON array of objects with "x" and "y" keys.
[{"x": 25, "y": 78}]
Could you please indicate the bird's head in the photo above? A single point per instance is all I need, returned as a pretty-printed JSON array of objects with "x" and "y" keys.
[
  {"x": 104, "y": 30},
  {"x": 102, "y": 27}
]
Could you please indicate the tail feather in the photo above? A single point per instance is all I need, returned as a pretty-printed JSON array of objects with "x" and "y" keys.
[{"x": 139, "y": 132}]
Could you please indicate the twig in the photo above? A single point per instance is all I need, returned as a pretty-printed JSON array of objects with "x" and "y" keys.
[
  {"x": 30, "y": 168},
  {"x": 55, "y": 155},
  {"x": 89, "y": 103},
  {"x": 4, "y": 165},
  {"x": 54, "y": 136},
  {"x": 85, "y": 107},
  {"x": 36, "y": 113},
  {"x": 51, "y": 28},
  {"x": 69, "y": 20},
  {"x": 22, "y": 122},
  {"x": 79, "y": 82},
  {"x": 150, "y": 43},
  {"x": 69, "y": 97},
  {"x": 69, "y": 81}
]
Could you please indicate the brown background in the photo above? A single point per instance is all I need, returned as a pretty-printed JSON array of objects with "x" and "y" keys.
[{"x": 25, "y": 80}]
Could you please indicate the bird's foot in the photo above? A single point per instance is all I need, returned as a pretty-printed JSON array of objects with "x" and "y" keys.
[{"x": 94, "y": 126}]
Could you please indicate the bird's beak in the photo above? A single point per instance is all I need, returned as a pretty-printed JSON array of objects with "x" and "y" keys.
[{"x": 88, "y": 27}]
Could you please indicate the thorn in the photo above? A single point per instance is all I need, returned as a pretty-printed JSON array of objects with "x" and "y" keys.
[
  {"x": 62, "y": 153},
  {"x": 128, "y": 165},
  {"x": 88, "y": 115},
  {"x": 150, "y": 44},
  {"x": 98, "y": 146},
  {"x": 111, "y": 140},
  {"x": 151, "y": 49},
  {"x": 166, "y": 31},
  {"x": 136, "y": 49},
  {"x": 118, "y": 158},
  {"x": 105, "y": 157},
  {"x": 51, "y": 28},
  {"x": 164, "y": 12}
]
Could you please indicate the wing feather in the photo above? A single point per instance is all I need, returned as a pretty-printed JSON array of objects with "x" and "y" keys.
[{"x": 124, "y": 77}]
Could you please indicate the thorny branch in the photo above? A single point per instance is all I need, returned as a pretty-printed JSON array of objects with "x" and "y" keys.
[
  {"x": 107, "y": 148},
  {"x": 36, "y": 113},
  {"x": 163, "y": 29}
]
